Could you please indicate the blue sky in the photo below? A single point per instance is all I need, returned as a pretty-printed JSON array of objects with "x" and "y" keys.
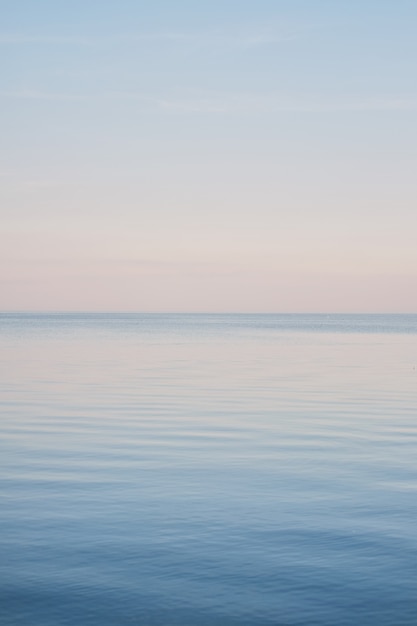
[{"x": 222, "y": 156}]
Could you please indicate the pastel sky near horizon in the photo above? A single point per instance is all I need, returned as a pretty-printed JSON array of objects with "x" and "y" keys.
[{"x": 229, "y": 155}]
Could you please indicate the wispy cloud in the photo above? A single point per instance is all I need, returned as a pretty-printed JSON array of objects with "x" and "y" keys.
[
  {"x": 247, "y": 103},
  {"x": 24, "y": 39},
  {"x": 244, "y": 37},
  {"x": 33, "y": 94},
  {"x": 232, "y": 103},
  {"x": 241, "y": 104}
]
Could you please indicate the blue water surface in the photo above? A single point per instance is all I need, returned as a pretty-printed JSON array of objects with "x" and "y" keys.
[{"x": 186, "y": 470}]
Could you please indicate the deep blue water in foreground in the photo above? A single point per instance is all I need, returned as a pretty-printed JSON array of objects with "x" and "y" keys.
[{"x": 187, "y": 470}]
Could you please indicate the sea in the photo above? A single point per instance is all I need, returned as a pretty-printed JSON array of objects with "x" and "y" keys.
[{"x": 208, "y": 470}]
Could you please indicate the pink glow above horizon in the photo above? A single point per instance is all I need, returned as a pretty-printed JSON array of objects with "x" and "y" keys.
[{"x": 266, "y": 166}]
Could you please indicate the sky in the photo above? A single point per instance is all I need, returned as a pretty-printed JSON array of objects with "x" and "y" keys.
[{"x": 231, "y": 155}]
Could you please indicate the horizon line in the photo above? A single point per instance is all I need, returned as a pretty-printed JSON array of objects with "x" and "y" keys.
[{"x": 183, "y": 312}]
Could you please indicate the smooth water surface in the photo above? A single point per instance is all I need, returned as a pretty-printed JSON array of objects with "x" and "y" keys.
[{"x": 254, "y": 470}]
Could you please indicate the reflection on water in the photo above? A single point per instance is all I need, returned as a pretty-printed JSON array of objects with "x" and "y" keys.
[{"x": 208, "y": 470}]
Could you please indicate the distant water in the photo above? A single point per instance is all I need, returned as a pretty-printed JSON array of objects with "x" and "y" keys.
[{"x": 202, "y": 470}]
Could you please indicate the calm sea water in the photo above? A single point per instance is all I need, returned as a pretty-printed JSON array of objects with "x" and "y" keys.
[{"x": 187, "y": 470}]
